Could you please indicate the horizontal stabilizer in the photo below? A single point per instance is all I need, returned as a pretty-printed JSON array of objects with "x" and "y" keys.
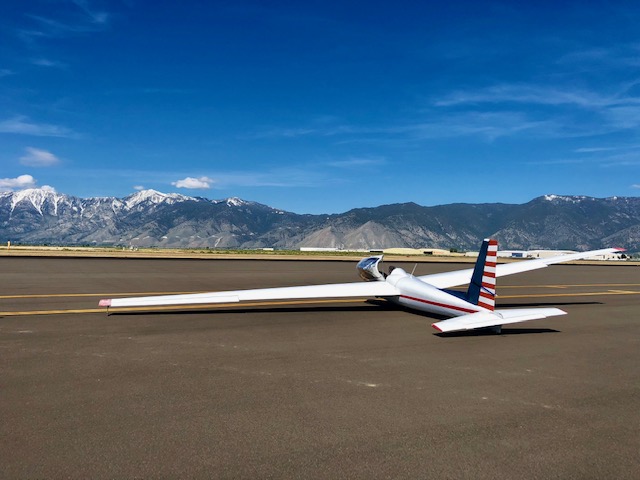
[{"x": 495, "y": 318}]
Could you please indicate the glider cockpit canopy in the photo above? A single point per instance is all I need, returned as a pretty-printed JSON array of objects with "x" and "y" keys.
[{"x": 368, "y": 269}]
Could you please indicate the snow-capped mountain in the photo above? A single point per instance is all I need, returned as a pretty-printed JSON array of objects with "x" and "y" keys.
[
  {"x": 144, "y": 218},
  {"x": 152, "y": 218},
  {"x": 153, "y": 197}
]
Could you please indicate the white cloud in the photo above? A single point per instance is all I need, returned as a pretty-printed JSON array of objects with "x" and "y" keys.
[
  {"x": 190, "y": 182},
  {"x": 487, "y": 125},
  {"x": 139, "y": 188},
  {"x": 607, "y": 149},
  {"x": 531, "y": 94},
  {"x": 38, "y": 158},
  {"x": 595, "y": 149},
  {"x": 620, "y": 56},
  {"x": 357, "y": 162},
  {"x": 55, "y": 28},
  {"x": 578, "y": 111},
  {"x": 44, "y": 62},
  {"x": 22, "y": 126},
  {"x": 636, "y": 185},
  {"x": 18, "y": 183},
  {"x": 625, "y": 117},
  {"x": 286, "y": 132},
  {"x": 98, "y": 17},
  {"x": 84, "y": 20},
  {"x": 306, "y": 175}
]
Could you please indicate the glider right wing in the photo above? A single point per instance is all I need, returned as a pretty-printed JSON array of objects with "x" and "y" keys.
[{"x": 463, "y": 277}]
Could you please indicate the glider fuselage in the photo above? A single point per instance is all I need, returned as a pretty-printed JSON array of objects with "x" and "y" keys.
[{"x": 418, "y": 295}]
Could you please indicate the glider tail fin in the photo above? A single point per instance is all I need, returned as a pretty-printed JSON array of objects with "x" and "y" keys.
[{"x": 482, "y": 289}]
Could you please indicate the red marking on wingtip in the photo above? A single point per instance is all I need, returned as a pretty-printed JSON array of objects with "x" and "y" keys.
[
  {"x": 436, "y": 327},
  {"x": 619, "y": 249},
  {"x": 105, "y": 303}
]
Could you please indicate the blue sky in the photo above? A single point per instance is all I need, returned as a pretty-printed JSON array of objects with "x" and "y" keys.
[{"x": 321, "y": 106}]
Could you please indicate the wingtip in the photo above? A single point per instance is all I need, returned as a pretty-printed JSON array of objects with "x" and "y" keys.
[
  {"x": 619, "y": 249},
  {"x": 105, "y": 302},
  {"x": 435, "y": 325}
]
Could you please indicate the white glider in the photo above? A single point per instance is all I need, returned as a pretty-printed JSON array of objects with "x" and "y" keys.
[{"x": 469, "y": 310}]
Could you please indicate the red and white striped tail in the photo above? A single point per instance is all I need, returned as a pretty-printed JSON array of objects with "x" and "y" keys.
[{"x": 487, "y": 297}]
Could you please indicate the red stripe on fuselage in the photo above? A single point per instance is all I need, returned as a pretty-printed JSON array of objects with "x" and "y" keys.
[{"x": 442, "y": 305}]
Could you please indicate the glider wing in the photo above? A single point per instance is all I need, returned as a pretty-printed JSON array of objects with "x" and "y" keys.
[
  {"x": 338, "y": 290},
  {"x": 463, "y": 277}
]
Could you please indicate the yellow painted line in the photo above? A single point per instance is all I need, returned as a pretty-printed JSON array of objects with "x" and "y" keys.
[
  {"x": 97, "y": 295},
  {"x": 179, "y": 307},
  {"x": 49, "y": 312},
  {"x": 572, "y": 285},
  {"x": 577, "y": 294}
]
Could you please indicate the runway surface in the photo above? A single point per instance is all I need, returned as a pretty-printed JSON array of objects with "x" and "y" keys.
[{"x": 311, "y": 390}]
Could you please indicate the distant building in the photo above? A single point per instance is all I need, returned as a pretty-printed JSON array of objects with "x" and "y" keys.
[
  {"x": 416, "y": 251},
  {"x": 610, "y": 256},
  {"x": 331, "y": 249},
  {"x": 512, "y": 253},
  {"x": 547, "y": 253},
  {"x": 553, "y": 253}
]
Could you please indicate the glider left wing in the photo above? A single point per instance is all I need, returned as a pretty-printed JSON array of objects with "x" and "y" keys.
[{"x": 337, "y": 290}]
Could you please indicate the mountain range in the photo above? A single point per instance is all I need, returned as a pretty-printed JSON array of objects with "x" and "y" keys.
[{"x": 150, "y": 218}]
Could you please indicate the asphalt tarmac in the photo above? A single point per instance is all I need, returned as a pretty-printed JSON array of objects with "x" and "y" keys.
[{"x": 311, "y": 390}]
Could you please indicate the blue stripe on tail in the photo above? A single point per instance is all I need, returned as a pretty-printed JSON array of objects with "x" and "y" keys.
[{"x": 473, "y": 293}]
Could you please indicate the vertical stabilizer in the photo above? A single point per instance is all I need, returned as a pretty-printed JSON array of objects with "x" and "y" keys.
[{"x": 482, "y": 289}]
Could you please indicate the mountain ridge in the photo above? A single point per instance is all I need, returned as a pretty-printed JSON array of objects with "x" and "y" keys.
[{"x": 152, "y": 218}]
